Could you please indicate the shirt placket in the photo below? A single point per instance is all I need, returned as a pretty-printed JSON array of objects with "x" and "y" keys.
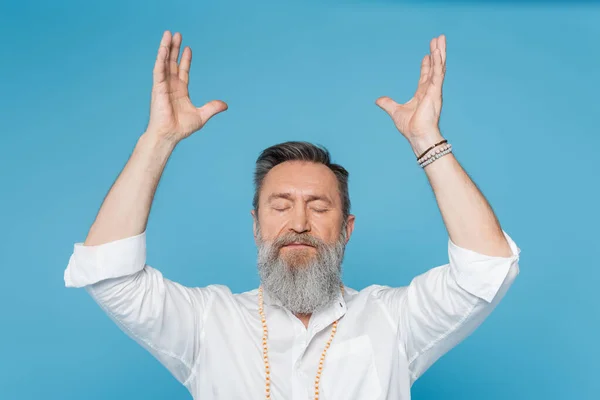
[
  {"x": 299, "y": 379},
  {"x": 317, "y": 324}
]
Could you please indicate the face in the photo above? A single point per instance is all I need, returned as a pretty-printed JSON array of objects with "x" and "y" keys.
[{"x": 301, "y": 234}]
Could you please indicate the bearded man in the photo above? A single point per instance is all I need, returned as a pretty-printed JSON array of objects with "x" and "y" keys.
[{"x": 301, "y": 334}]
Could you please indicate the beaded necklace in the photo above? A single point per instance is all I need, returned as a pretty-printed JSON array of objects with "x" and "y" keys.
[{"x": 261, "y": 311}]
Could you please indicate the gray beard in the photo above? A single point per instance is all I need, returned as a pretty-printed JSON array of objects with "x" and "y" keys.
[{"x": 304, "y": 282}]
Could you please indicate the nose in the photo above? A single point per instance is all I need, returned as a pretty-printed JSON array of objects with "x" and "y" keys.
[{"x": 299, "y": 222}]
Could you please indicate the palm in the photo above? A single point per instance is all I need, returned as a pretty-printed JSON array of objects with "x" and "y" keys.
[
  {"x": 415, "y": 117},
  {"x": 173, "y": 108},
  {"x": 420, "y": 115},
  {"x": 172, "y": 113}
]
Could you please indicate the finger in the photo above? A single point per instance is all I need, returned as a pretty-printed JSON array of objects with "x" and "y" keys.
[
  {"x": 425, "y": 65},
  {"x": 211, "y": 109},
  {"x": 437, "y": 78},
  {"x": 424, "y": 79},
  {"x": 159, "y": 74},
  {"x": 442, "y": 47},
  {"x": 184, "y": 65},
  {"x": 432, "y": 45},
  {"x": 387, "y": 104},
  {"x": 174, "y": 53}
]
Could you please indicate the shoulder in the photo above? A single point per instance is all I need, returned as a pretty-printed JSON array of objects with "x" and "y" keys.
[
  {"x": 222, "y": 296},
  {"x": 378, "y": 295},
  {"x": 374, "y": 291}
]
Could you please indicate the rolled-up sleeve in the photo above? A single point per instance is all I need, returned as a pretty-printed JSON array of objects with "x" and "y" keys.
[
  {"x": 482, "y": 275},
  {"x": 161, "y": 315},
  {"x": 443, "y": 306},
  {"x": 92, "y": 264}
]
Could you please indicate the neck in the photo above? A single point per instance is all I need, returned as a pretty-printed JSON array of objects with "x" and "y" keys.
[{"x": 304, "y": 318}]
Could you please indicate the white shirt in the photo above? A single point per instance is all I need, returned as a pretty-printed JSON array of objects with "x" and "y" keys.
[{"x": 211, "y": 339}]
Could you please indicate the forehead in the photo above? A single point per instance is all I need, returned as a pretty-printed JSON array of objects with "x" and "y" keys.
[{"x": 301, "y": 178}]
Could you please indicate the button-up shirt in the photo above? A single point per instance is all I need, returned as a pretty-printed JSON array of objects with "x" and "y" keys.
[{"x": 210, "y": 339}]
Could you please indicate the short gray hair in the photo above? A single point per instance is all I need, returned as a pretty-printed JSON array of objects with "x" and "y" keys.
[{"x": 300, "y": 151}]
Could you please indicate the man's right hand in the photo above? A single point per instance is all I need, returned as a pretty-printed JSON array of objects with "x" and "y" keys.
[
  {"x": 173, "y": 117},
  {"x": 172, "y": 114}
]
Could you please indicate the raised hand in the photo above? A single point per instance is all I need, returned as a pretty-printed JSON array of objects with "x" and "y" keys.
[
  {"x": 418, "y": 119},
  {"x": 172, "y": 114}
]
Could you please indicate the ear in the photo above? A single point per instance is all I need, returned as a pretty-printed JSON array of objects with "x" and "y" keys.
[
  {"x": 254, "y": 222},
  {"x": 349, "y": 227}
]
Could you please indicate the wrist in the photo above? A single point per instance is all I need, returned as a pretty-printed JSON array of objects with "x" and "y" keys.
[
  {"x": 157, "y": 144},
  {"x": 421, "y": 143}
]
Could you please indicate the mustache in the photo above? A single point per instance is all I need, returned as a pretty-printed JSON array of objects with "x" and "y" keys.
[{"x": 294, "y": 238}]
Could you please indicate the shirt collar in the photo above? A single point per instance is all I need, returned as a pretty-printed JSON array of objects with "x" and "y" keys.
[
  {"x": 270, "y": 300},
  {"x": 326, "y": 316},
  {"x": 321, "y": 318}
]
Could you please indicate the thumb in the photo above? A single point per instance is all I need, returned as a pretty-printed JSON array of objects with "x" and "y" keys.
[
  {"x": 387, "y": 104},
  {"x": 210, "y": 109}
]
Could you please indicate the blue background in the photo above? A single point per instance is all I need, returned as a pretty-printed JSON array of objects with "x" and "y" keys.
[{"x": 521, "y": 110}]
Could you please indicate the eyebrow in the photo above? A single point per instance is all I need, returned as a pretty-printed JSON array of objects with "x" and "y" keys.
[{"x": 289, "y": 196}]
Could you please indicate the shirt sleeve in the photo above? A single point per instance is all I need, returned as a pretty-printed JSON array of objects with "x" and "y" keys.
[
  {"x": 443, "y": 306},
  {"x": 164, "y": 317}
]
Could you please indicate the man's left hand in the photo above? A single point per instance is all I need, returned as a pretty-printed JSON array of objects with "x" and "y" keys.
[{"x": 418, "y": 119}]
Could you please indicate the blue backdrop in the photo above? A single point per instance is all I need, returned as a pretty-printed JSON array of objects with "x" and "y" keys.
[{"x": 521, "y": 110}]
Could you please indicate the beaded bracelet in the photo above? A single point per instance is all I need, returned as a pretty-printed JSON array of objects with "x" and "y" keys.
[
  {"x": 431, "y": 148},
  {"x": 433, "y": 153},
  {"x": 434, "y": 156}
]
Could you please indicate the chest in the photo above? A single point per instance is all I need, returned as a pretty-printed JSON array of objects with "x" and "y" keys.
[{"x": 363, "y": 355}]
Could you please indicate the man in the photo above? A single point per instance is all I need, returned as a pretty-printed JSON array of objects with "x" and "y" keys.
[{"x": 302, "y": 334}]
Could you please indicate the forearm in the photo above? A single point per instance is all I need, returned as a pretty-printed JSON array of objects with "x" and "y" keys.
[
  {"x": 126, "y": 208},
  {"x": 469, "y": 219}
]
